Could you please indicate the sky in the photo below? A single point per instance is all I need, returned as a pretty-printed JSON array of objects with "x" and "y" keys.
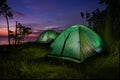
[{"x": 42, "y": 15}]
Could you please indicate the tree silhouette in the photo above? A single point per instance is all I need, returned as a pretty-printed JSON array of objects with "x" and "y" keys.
[
  {"x": 82, "y": 16},
  {"x": 5, "y": 10},
  {"x": 21, "y": 32},
  {"x": 87, "y": 17},
  {"x": 11, "y": 34},
  {"x": 97, "y": 21},
  {"x": 111, "y": 12}
]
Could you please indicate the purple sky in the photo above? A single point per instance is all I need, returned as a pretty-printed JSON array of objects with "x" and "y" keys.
[{"x": 48, "y": 14}]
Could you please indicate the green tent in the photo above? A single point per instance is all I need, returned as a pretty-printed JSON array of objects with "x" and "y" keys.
[
  {"x": 47, "y": 36},
  {"x": 76, "y": 43}
]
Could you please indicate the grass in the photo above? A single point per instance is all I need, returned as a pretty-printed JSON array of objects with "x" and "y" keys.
[{"x": 29, "y": 61}]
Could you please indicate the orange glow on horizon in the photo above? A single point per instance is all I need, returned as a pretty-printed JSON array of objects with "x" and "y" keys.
[
  {"x": 32, "y": 35},
  {"x": 3, "y": 32}
]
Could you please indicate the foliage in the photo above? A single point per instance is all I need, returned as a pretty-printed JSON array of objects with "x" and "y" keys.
[
  {"x": 85, "y": 17},
  {"x": 98, "y": 21},
  {"x": 21, "y": 32},
  {"x": 19, "y": 35},
  {"x": 29, "y": 61},
  {"x": 5, "y": 11},
  {"x": 106, "y": 23}
]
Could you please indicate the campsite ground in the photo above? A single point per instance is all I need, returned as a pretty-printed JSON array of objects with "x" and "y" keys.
[{"x": 29, "y": 61}]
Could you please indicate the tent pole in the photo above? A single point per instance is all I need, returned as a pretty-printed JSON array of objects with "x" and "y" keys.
[{"x": 64, "y": 44}]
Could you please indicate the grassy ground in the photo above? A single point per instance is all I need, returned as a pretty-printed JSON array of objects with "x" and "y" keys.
[{"x": 29, "y": 61}]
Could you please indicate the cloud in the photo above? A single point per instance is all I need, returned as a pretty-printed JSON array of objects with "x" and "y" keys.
[
  {"x": 37, "y": 32},
  {"x": 38, "y": 28},
  {"x": 31, "y": 24}
]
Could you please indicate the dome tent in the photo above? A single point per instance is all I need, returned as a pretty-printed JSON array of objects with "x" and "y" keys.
[
  {"x": 47, "y": 36},
  {"x": 76, "y": 43}
]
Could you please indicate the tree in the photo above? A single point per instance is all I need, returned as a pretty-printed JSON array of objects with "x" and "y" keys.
[
  {"x": 11, "y": 34},
  {"x": 97, "y": 20},
  {"x": 5, "y": 10},
  {"x": 21, "y": 32},
  {"x": 112, "y": 10},
  {"x": 87, "y": 17},
  {"x": 82, "y": 16}
]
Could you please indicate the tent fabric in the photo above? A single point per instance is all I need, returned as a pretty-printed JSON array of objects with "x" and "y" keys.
[
  {"x": 47, "y": 36},
  {"x": 76, "y": 43}
]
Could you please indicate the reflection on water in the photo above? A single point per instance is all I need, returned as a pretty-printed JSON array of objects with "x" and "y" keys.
[{"x": 4, "y": 40}]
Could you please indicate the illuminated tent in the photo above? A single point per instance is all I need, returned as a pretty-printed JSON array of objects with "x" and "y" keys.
[
  {"x": 47, "y": 36},
  {"x": 76, "y": 43}
]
